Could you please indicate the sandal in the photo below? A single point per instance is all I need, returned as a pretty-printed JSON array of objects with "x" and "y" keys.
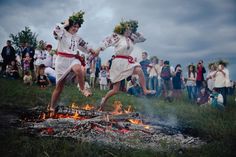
[{"x": 86, "y": 92}]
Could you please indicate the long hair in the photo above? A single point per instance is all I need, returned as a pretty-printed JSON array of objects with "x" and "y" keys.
[{"x": 194, "y": 70}]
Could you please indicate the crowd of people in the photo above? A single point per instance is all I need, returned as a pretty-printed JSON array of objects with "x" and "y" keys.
[
  {"x": 37, "y": 67},
  {"x": 151, "y": 76}
]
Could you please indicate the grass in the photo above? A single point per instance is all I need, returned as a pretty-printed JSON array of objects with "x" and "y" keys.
[{"x": 218, "y": 127}]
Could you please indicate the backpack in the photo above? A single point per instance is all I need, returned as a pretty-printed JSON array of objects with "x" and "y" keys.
[{"x": 165, "y": 73}]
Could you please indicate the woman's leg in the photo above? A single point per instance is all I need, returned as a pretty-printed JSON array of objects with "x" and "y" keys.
[
  {"x": 55, "y": 95},
  {"x": 138, "y": 71},
  {"x": 115, "y": 89},
  {"x": 79, "y": 75}
]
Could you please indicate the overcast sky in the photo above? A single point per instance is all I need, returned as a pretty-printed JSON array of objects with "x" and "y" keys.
[{"x": 182, "y": 31}]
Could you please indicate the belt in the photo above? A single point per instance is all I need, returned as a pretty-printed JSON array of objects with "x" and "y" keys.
[
  {"x": 67, "y": 55},
  {"x": 129, "y": 58}
]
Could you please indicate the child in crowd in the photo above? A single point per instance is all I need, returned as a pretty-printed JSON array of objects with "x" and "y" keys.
[
  {"x": 12, "y": 70},
  {"x": 42, "y": 79},
  {"x": 27, "y": 78},
  {"x": 26, "y": 62},
  {"x": 203, "y": 97},
  {"x": 134, "y": 87},
  {"x": 103, "y": 78},
  {"x": 216, "y": 99},
  {"x": 92, "y": 74}
]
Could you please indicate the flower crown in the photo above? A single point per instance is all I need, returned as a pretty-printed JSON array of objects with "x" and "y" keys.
[
  {"x": 77, "y": 17},
  {"x": 123, "y": 25}
]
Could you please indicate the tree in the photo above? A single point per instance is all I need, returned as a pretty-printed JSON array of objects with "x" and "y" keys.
[{"x": 24, "y": 36}]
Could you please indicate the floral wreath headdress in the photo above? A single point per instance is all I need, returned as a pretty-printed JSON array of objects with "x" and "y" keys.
[{"x": 123, "y": 25}]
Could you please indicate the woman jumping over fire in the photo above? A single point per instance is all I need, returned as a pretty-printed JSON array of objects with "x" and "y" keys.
[
  {"x": 123, "y": 39},
  {"x": 69, "y": 63}
]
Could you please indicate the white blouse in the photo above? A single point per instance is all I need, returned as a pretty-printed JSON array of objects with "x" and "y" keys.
[
  {"x": 69, "y": 43},
  {"x": 122, "y": 45}
]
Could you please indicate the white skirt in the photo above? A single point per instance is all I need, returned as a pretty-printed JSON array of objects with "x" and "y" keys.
[
  {"x": 121, "y": 69},
  {"x": 63, "y": 68}
]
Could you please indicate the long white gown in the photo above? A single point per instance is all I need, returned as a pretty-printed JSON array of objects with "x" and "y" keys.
[
  {"x": 70, "y": 44},
  {"x": 121, "y": 68}
]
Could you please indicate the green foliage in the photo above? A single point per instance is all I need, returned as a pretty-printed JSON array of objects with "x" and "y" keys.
[
  {"x": 77, "y": 17},
  {"x": 23, "y": 36}
]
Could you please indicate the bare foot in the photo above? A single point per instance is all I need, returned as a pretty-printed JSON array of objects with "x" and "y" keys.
[
  {"x": 149, "y": 92},
  {"x": 101, "y": 106}
]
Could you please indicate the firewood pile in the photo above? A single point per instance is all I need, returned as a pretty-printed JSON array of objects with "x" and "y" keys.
[{"x": 120, "y": 128}]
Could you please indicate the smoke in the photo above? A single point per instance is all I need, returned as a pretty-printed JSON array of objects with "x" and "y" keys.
[{"x": 155, "y": 113}]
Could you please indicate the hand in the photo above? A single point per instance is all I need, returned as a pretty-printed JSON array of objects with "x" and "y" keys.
[{"x": 66, "y": 23}]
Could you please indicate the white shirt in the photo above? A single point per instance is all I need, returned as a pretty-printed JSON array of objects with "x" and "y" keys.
[
  {"x": 40, "y": 56},
  {"x": 220, "y": 78},
  {"x": 50, "y": 72},
  {"x": 48, "y": 60},
  {"x": 154, "y": 70},
  {"x": 68, "y": 43}
]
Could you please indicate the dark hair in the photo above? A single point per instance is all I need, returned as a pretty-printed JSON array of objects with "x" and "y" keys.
[
  {"x": 194, "y": 70},
  {"x": 145, "y": 53},
  {"x": 167, "y": 62},
  {"x": 178, "y": 65},
  {"x": 71, "y": 23},
  {"x": 8, "y": 41}
]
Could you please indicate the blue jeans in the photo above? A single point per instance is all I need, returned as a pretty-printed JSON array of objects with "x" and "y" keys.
[
  {"x": 191, "y": 92},
  {"x": 153, "y": 84}
]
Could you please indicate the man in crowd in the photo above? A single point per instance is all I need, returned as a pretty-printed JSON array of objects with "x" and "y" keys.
[{"x": 8, "y": 55}]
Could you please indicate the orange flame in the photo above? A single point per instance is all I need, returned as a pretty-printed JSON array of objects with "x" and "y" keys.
[
  {"x": 88, "y": 107},
  {"x": 118, "y": 108},
  {"x": 146, "y": 126},
  {"x": 74, "y": 106},
  {"x": 135, "y": 121},
  {"x": 129, "y": 110},
  {"x": 42, "y": 116},
  {"x": 76, "y": 115}
]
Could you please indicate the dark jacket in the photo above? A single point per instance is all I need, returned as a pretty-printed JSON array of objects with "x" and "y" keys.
[{"x": 8, "y": 57}]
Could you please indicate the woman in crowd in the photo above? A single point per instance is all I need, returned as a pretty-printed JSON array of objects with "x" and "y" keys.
[
  {"x": 191, "y": 83},
  {"x": 210, "y": 78},
  {"x": 177, "y": 81},
  {"x": 153, "y": 70}
]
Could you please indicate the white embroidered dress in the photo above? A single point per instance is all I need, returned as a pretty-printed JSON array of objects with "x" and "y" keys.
[
  {"x": 69, "y": 44},
  {"x": 123, "y": 46}
]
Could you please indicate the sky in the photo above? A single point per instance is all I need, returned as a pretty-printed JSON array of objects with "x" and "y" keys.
[{"x": 181, "y": 31}]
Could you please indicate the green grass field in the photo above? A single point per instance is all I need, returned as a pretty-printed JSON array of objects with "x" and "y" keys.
[{"x": 217, "y": 127}]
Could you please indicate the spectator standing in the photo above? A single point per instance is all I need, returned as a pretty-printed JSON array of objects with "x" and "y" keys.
[
  {"x": 8, "y": 55},
  {"x": 166, "y": 81},
  {"x": 210, "y": 78},
  {"x": 200, "y": 75},
  {"x": 177, "y": 81},
  {"x": 191, "y": 82},
  {"x": 144, "y": 65},
  {"x": 221, "y": 76},
  {"x": 48, "y": 58},
  {"x": 103, "y": 78},
  {"x": 153, "y": 71}
]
